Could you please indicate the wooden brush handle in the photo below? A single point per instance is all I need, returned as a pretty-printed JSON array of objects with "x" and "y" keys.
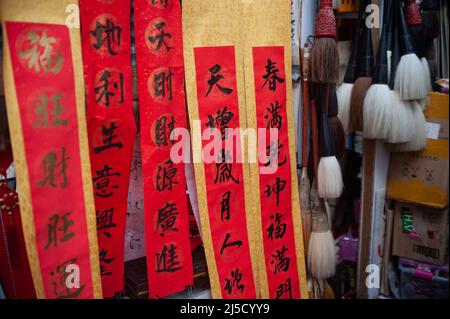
[{"x": 315, "y": 138}]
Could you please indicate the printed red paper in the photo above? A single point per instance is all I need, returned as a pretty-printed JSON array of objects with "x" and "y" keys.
[
  {"x": 159, "y": 53},
  {"x": 218, "y": 108},
  {"x": 44, "y": 80},
  {"x": 275, "y": 189},
  {"x": 106, "y": 36}
]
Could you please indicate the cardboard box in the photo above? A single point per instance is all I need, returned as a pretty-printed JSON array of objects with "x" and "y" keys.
[
  {"x": 437, "y": 115},
  {"x": 421, "y": 177},
  {"x": 420, "y": 233}
]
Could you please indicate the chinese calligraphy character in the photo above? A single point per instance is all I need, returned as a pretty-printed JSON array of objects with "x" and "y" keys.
[
  {"x": 54, "y": 169},
  {"x": 167, "y": 217},
  {"x": 166, "y": 176},
  {"x": 271, "y": 75},
  {"x": 225, "y": 206},
  {"x": 60, "y": 275},
  {"x": 226, "y": 244},
  {"x": 102, "y": 179},
  {"x": 108, "y": 34},
  {"x": 214, "y": 80},
  {"x": 221, "y": 121},
  {"x": 224, "y": 170},
  {"x": 277, "y": 229},
  {"x": 274, "y": 119},
  {"x": 273, "y": 153},
  {"x": 163, "y": 128},
  {"x": 104, "y": 260},
  {"x": 59, "y": 225},
  {"x": 162, "y": 84},
  {"x": 159, "y": 38},
  {"x": 105, "y": 221},
  {"x": 280, "y": 261},
  {"x": 234, "y": 282},
  {"x": 276, "y": 188},
  {"x": 108, "y": 136},
  {"x": 106, "y": 86},
  {"x": 166, "y": 260},
  {"x": 41, "y": 55},
  {"x": 41, "y": 110},
  {"x": 283, "y": 289}
]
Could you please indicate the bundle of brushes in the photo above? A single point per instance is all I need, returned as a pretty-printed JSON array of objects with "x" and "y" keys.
[
  {"x": 408, "y": 128},
  {"x": 321, "y": 253},
  {"x": 409, "y": 81},
  {"x": 337, "y": 129}
]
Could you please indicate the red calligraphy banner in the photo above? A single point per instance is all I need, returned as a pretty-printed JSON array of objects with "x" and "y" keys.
[
  {"x": 218, "y": 108},
  {"x": 275, "y": 189},
  {"x": 106, "y": 37},
  {"x": 43, "y": 72},
  {"x": 159, "y": 54}
]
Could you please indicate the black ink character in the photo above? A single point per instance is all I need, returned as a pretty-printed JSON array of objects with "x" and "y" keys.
[
  {"x": 60, "y": 288},
  {"x": 166, "y": 176},
  {"x": 271, "y": 75},
  {"x": 104, "y": 260},
  {"x": 105, "y": 221},
  {"x": 108, "y": 137},
  {"x": 214, "y": 80},
  {"x": 276, "y": 188},
  {"x": 225, "y": 206},
  {"x": 274, "y": 119},
  {"x": 160, "y": 37},
  {"x": 220, "y": 121},
  {"x": 226, "y": 244},
  {"x": 163, "y": 128},
  {"x": 277, "y": 229},
  {"x": 102, "y": 181},
  {"x": 108, "y": 33},
  {"x": 234, "y": 282},
  {"x": 166, "y": 260},
  {"x": 167, "y": 217},
  {"x": 273, "y": 153},
  {"x": 103, "y": 94},
  {"x": 162, "y": 84},
  {"x": 224, "y": 170},
  {"x": 280, "y": 262},
  {"x": 284, "y": 289}
]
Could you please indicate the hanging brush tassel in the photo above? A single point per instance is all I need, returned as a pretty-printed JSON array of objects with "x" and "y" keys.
[
  {"x": 324, "y": 54},
  {"x": 409, "y": 81},
  {"x": 344, "y": 92},
  {"x": 363, "y": 82},
  {"x": 377, "y": 109},
  {"x": 321, "y": 248},
  {"x": 336, "y": 127},
  {"x": 329, "y": 176},
  {"x": 418, "y": 33},
  {"x": 418, "y": 140}
]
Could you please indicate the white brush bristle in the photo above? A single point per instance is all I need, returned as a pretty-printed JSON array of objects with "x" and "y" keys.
[
  {"x": 401, "y": 129},
  {"x": 322, "y": 255},
  {"x": 377, "y": 112},
  {"x": 423, "y": 103},
  {"x": 329, "y": 178},
  {"x": 419, "y": 139},
  {"x": 409, "y": 80},
  {"x": 426, "y": 74},
  {"x": 344, "y": 94}
]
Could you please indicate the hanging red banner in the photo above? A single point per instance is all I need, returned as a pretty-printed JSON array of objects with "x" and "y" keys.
[
  {"x": 218, "y": 108},
  {"x": 159, "y": 53},
  {"x": 275, "y": 188},
  {"x": 41, "y": 58},
  {"x": 106, "y": 36}
]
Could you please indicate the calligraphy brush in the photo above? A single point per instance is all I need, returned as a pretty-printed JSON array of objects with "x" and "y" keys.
[
  {"x": 417, "y": 29},
  {"x": 344, "y": 91},
  {"x": 329, "y": 176},
  {"x": 324, "y": 54},
  {"x": 418, "y": 140},
  {"x": 400, "y": 129},
  {"x": 363, "y": 81},
  {"x": 337, "y": 129},
  {"x": 321, "y": 255},
  {"x": 377, "y": 109},
  {"x": 409, "y": 80},
  {"x": 304, "y": 179}
]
